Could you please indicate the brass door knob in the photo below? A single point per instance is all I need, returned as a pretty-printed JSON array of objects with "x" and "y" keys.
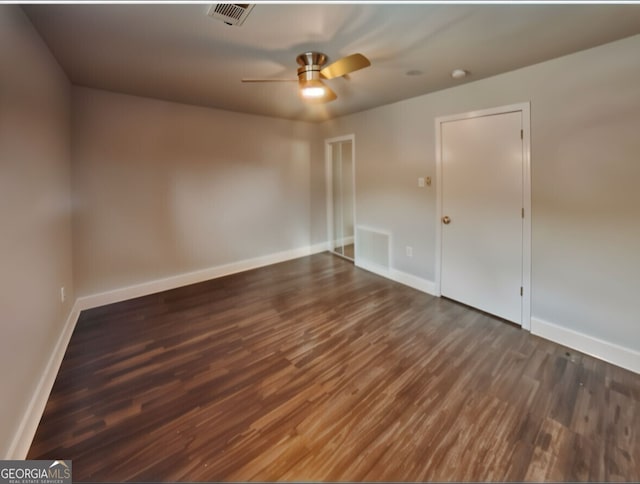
[{"x": 446, "y": 220}]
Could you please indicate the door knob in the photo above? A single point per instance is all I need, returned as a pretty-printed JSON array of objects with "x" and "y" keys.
[{"x": 446, "y": 220}]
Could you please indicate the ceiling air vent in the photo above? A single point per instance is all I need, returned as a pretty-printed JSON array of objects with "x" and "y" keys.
[{"x": 230, "y": 13}]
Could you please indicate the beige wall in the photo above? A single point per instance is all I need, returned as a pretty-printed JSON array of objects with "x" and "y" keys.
[
  {"x": 585, "y": 126},
  {"x": 35, "y": 245},
  {"x": 163, "y": 189}
]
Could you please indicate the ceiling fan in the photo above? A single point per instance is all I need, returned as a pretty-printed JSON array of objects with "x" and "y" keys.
[{"x": 311, "y": 73}]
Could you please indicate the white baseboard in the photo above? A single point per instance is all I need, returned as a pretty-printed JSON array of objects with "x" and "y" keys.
[
  {"x": 180, "y": 280},
  {"x": 604, "y": 350},
  {"x": 26, "y": 430},
  {"x": 416, "y": 282},
  {"x": 319, "y": 247},
  {"x": 410, "y": 280},
  {"x": 376, "y": 269}
]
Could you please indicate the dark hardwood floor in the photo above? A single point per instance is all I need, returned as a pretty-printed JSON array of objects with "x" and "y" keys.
[
  {"x": 349, "y": 251},
  {"x": 314, "y": 370}
]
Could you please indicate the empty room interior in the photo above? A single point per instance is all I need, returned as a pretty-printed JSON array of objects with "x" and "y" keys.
[{"x": 321, "y": 242}]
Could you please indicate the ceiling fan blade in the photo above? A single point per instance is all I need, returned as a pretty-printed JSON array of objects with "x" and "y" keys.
[
  {"x": 345, "y": 65},
  {"x": 269, "y": 80}
]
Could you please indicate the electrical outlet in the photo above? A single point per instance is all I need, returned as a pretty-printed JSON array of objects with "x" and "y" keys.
[
  {"x": 409, "y": 251},
  {"x": 62, "y": 294}
]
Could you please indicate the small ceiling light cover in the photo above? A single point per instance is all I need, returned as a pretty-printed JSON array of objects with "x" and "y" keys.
[
  {"x": 458, "y": 73},
  {"x": 313, "y": 91}
]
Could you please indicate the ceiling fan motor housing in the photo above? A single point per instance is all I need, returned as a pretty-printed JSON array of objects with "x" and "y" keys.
[{"x": 310, "y": 65}]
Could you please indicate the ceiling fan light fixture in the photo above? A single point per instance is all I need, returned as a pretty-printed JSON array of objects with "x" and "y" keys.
[
  {"x": 313, "y": 92},
  {"x": 311, "y": 70},
  {"x": 459, "y": 73}
]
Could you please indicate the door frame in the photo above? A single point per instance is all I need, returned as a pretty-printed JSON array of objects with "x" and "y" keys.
[
  {"x": 328, "y": 169},
  {"x": 525, "y": 109}
]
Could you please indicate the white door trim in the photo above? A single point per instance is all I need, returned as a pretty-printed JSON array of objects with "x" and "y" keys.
[
  {"x": 328, "y": 164},
  {"x": 525, "y": 108}
]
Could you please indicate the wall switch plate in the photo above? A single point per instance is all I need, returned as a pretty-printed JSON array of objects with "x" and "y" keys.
[
  {"x": 421, "y": 182},
  {"x": 62, "y": 294},
  {"x": 409, "y": 251}
]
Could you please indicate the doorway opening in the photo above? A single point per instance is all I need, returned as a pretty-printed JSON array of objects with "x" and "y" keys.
[{"x": 340, "y": 176}]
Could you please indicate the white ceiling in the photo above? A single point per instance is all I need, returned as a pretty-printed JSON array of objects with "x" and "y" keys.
[{"x": 176, "y": 52}]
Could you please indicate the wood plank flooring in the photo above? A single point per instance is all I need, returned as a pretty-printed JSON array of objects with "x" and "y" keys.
[
  {"x": 314, "y": 370},
  {"x": 349, "y": 251}
]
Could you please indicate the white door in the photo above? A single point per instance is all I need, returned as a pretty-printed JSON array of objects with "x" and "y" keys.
[{"x": 482, "y": 213}]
